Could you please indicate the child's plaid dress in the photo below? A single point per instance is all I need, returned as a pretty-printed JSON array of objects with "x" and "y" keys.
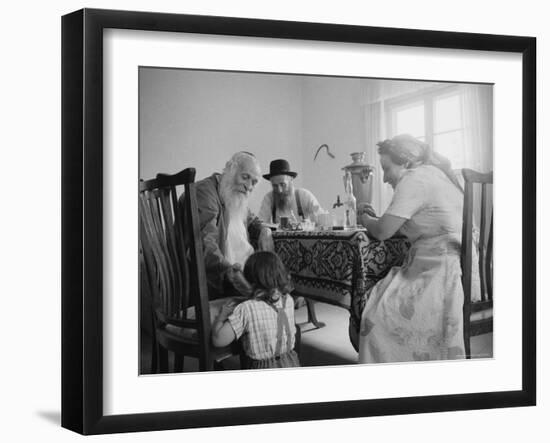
[{"x": 267, "y": 331}]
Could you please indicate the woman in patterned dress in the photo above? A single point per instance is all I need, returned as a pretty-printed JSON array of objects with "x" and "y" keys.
[{"x": 415, "y": 312}]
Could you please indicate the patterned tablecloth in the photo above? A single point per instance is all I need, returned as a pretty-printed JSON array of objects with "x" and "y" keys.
[{"x": 336, "y": 266}]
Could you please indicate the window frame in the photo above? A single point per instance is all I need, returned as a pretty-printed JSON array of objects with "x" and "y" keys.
[{"x": 427, "y": 96}]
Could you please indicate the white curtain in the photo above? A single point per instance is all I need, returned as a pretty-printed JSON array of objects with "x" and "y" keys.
[
  {"x": 375, "y": 93},
  {"x": 477, "y": 109},
  {"x": 381, "y": 192}
]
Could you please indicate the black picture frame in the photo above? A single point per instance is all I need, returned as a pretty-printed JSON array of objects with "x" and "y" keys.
[{"x": 82, "y": 218}]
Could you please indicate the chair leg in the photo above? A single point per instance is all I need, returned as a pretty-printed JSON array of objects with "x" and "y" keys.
[
  {"x": 178, "y": 362},
  {"x": 154, "y": 358},
  {"x": 163, "y": 360},
  {"x": 467, "y": 351},
  {"x": 312, "y": 315},
  {"x": 243, "y": 360},
  {"x": 206, "y": 364},
  {"x": 298, "y": 340}
]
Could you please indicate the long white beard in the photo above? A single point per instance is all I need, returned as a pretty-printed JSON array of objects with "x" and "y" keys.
[{"x": 237, "y": 246}]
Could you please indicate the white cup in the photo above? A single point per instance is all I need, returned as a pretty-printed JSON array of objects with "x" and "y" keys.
[{"x": 324, "y": 220}]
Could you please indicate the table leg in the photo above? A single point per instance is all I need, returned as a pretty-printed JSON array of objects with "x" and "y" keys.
[{"x": 311, "y": 315}]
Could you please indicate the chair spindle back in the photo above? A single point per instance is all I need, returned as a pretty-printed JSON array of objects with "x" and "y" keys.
[
  {"x": 172, "y": 250},
  {"x": 471, "y": 213}
]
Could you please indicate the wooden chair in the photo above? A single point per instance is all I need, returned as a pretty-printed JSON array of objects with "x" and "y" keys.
[
  {"x": 175, "y": 273},
  {"x": 478, "y": 314}
]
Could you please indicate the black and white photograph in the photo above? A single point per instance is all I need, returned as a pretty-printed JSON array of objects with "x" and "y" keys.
[
  {"x": 285, "y": 221},
  {"x": 275, "y": 221},
  {"x": 304, "y": 220}
]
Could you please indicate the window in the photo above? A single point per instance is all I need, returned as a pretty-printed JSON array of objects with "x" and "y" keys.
[
  {"x": 410, "y": 119},
  {"x": 435, "y": 117}
]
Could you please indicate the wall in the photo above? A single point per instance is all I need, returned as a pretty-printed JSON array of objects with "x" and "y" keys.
[
  {"x": 200, "y": 118},
  {"x": 333, "y": 116},
  {"x": 31, "y": 171}
]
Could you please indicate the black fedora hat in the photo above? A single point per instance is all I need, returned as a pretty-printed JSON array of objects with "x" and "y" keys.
[{"x": 279, "y": 167}]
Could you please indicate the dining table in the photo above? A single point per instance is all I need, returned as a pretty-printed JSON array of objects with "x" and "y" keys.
[{"x": 336, "y": 266}]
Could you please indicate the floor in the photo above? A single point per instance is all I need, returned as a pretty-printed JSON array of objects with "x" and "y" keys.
[{"x": 328, "y": 346}]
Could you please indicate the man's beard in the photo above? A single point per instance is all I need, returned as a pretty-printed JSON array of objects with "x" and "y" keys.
[
  {"x": 283, "y": 202},
  {"x": 237, "y": 247},
  {"x": 236, "y": 203}
]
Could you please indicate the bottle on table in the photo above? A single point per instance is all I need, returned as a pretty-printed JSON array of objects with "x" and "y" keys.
[{"x": 350, "y": 203}]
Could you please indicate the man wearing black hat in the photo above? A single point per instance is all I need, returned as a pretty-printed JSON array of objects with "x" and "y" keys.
[{"x": 285, "y": 200}]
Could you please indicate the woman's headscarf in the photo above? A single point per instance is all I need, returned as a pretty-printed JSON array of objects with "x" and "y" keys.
[{"x": 404, "y": 149}]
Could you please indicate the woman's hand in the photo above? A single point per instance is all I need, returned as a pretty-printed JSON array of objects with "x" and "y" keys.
[
  {"x": 265, "y": 240},
  {"x": 365, "y": 208},
  {"x": 384, "y": 227}
]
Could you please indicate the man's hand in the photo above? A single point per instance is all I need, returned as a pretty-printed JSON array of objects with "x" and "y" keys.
[
  {"x": 236, "y": 278},
  {"x": 265, "y": 240}
]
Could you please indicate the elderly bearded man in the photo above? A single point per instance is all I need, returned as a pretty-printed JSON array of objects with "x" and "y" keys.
[
  {"x": 228, "y": 226},
  {"x": 286, "y": 200}
]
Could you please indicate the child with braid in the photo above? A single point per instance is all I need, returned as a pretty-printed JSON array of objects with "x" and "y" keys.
[{"x": 266, "y": 320}]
